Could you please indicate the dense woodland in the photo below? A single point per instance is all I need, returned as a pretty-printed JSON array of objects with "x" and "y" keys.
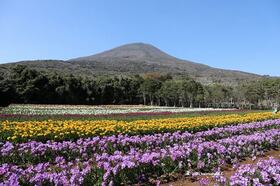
[{"x": 24, "y": 85}]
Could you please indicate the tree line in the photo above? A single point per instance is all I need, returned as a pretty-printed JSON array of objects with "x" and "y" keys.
[{"x": 25, "y": 85}]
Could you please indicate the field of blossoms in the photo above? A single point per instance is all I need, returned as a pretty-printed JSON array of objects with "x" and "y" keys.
[
  {"x": 139, "y": 152},
  {"x": 96, "y": 110}
]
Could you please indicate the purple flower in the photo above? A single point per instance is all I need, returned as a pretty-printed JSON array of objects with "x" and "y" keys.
[{"x": 204, "y": 182}]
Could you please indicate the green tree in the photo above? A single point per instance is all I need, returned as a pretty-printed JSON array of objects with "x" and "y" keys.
[{"x": 149, "y": 88}]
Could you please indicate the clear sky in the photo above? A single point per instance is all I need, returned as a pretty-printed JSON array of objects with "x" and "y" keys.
[{"x": 232, "y": 34}]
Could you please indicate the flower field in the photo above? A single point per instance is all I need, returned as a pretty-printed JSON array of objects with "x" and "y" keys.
[
  {"x": 95, "y": 110},
  {"x": 61, "y": 130},
  {"x": 143, "y": 152},
  {"x": 264, "y": 173}
]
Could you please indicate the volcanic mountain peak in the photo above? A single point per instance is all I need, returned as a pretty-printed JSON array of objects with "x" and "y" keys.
[{"x": 133, "y": 51}]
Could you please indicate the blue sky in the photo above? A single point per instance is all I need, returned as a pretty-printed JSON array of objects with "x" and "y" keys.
[{"x": 232, "y": 34}]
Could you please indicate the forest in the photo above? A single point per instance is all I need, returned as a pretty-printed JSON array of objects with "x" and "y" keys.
[{"x": 25, "y": 85}]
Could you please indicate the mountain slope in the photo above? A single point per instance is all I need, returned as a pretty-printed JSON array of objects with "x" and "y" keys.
[
  {"x": 140, "y": 52},
  {"x": 143, "y": 58},
  {"x": 137, "y": 58}
]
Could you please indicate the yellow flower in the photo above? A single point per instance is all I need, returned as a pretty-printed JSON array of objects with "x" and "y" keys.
[{"x": 60, "y": 129}]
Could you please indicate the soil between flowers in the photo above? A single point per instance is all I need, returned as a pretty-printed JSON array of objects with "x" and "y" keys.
[{"x": 227, "y": 171}]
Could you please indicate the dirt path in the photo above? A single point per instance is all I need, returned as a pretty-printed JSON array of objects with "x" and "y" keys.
[{"x": 228, "y": 172}]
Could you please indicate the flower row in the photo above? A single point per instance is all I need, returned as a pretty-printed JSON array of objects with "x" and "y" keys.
[
  {"x": 265, "y": 172},
  {"x": 95, "y": 110},
  {"x": 84, "y": 148},
  {"x": 71, "y": 130},
  {"x": 138, "y": 166}
]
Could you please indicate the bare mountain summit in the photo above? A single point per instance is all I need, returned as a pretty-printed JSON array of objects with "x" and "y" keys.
[{"x": 138, "y": 58}]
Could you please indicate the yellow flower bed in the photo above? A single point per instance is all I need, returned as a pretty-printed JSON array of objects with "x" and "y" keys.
[{"x": 69, "y": 129}]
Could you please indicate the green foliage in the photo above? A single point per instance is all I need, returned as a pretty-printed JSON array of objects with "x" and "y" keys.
[
  {"x": 25, "y": 85},
  {"x": 6, "y": 91}
]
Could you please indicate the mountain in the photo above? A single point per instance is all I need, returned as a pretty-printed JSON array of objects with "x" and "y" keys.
[{"x": 137, "y": 58}]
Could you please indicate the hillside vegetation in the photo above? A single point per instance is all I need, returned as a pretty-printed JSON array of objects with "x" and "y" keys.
[
  {"x": 25, "y": 85},
  {"x": 136, "y": 58}
]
